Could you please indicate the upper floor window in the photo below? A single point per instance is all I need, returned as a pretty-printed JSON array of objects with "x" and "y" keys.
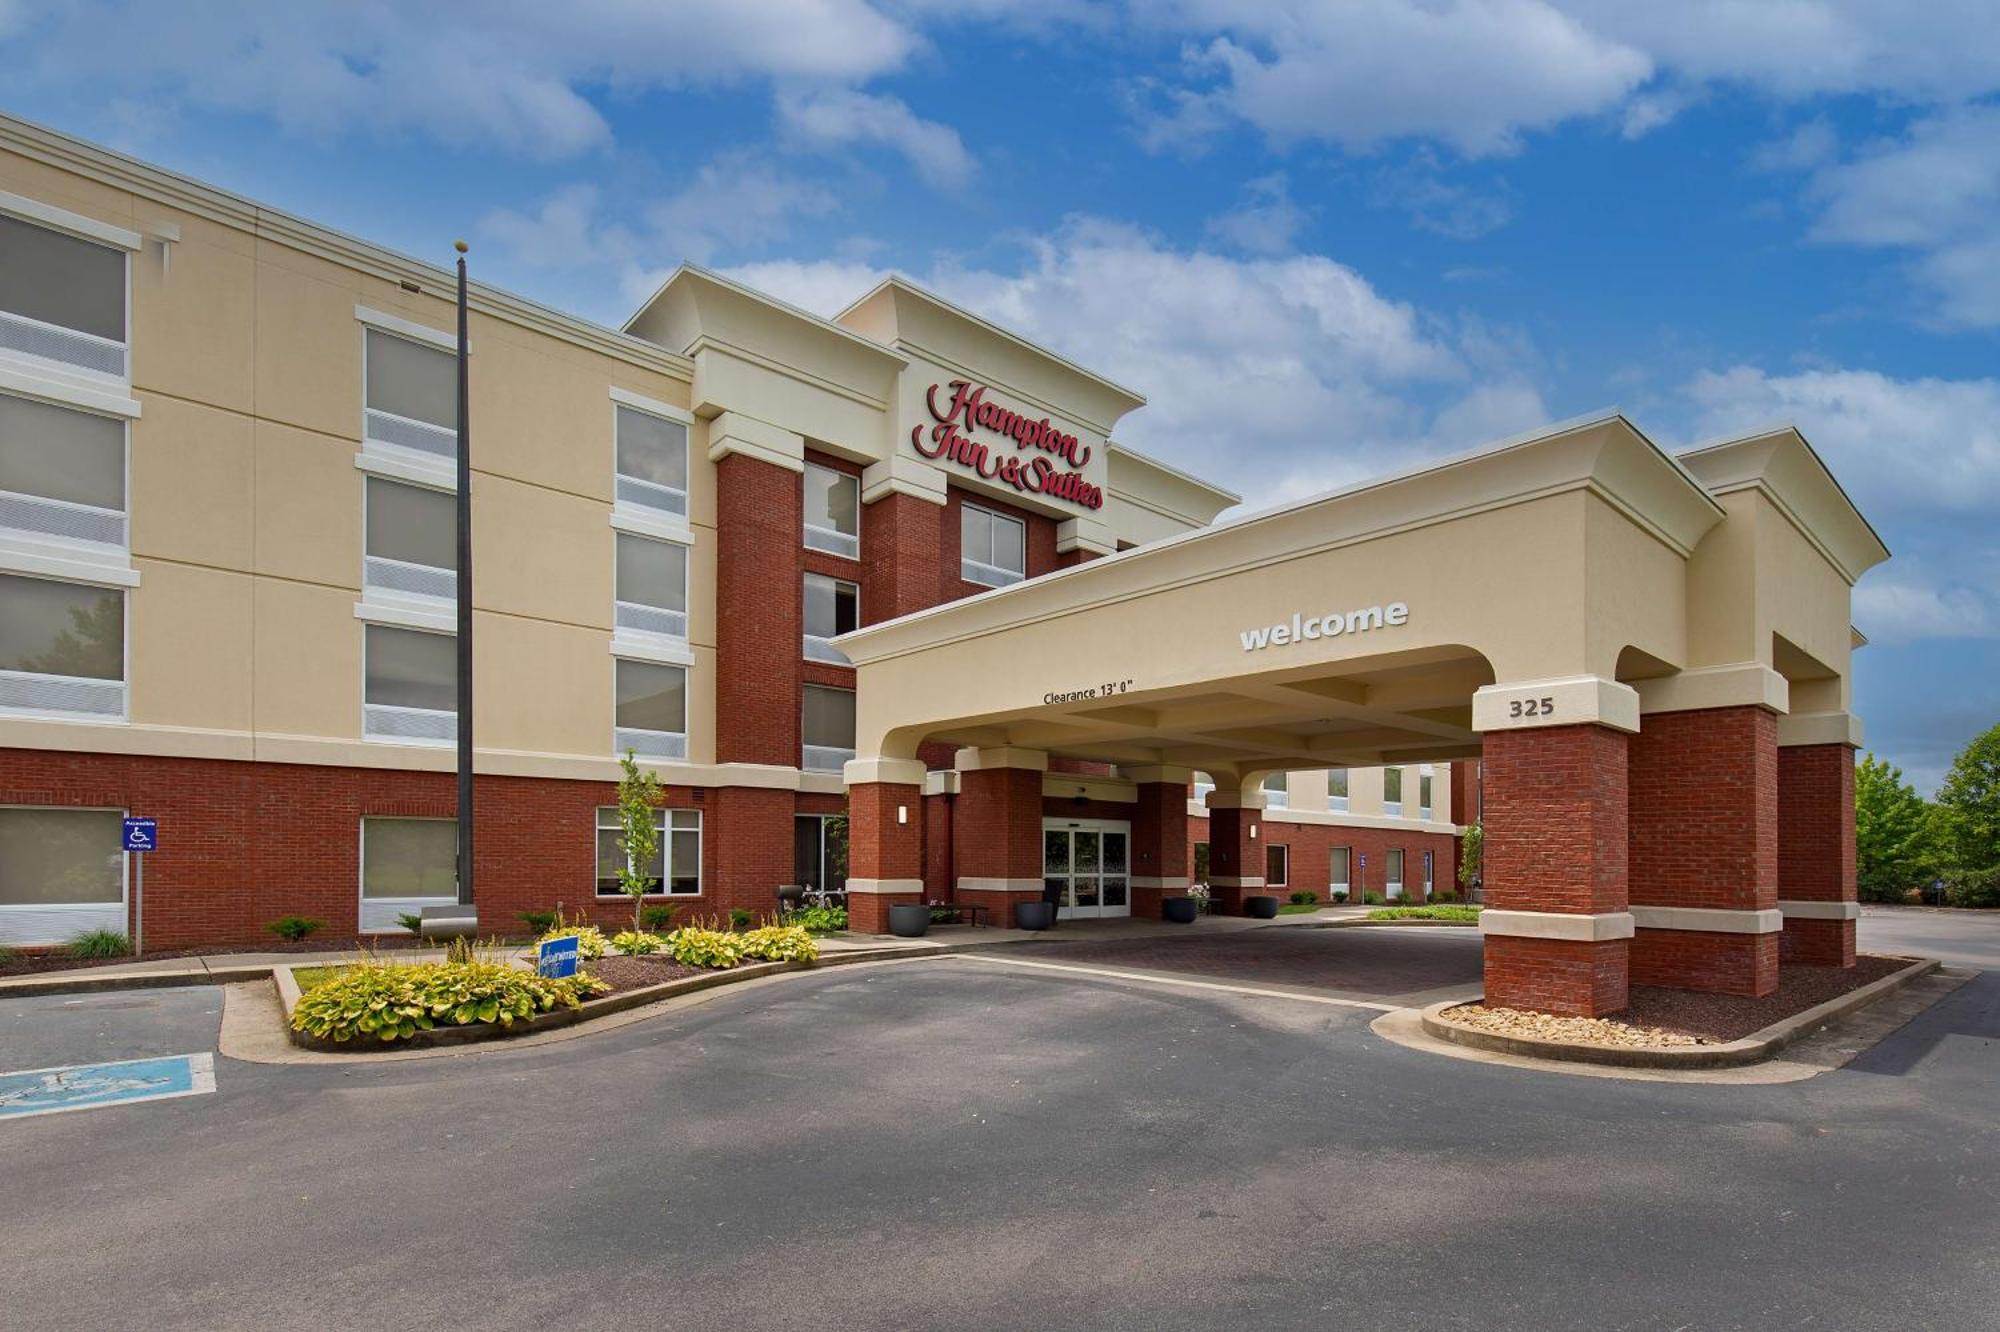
[
  {"x": 1277, "y": 792},
  {"x": 409, "y": 686},
  {"x": 650, "y": 709},
  {"x": 828, "y": 729},
  {"x": 411, "y": 396},
  {"x": 1336, "y": 789},
  {"x": 652, "y": 586},
  {"x": 993, "y": 548},
  {"x": 1424, "y": 793},
  {"x": 411, "y": 540},
  {"x": 1392, "y": 790},
  {"x": 833, "y": 511},
  {"x": 62, "y": 298},
  {"x": 652, "y": 461},
  {"x": 833, "y": 607},
  {"x": 62, "y": 649},
  {"x": 62, "y": 472}
]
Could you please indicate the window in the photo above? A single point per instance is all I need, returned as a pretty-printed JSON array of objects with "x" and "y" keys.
[
  {"x": 833, "y": 511},
  {"x": 412, "y": 541},
  {"x": 62, "y": 648},
  {"x": 993, "y": 548},
  {"x": 652, "y": 461},
  {"x": 832, "y": 607},
  {"x": 1277, "y": 791},
  {"x": 1337, "y": 877},
  {"x": 62, "y": 472},
  {"x": 1392, "y": 790},
  {"x": 1394, "y": 887},
  {"x": 410, "y": 691},
  {"x": 61, "y": 873},
  {"x": 1336, "y": 790},
  {"x": 406, "y": 865},
  {"x": 676, "y": 863},
  {"x": 1277, "y": 865},
  {"x": 650, "y": 713},
  {"x": 819, "y": 851},
  {"x": 1203, "y": 784},
  {"x": 411, "y": 397},
  {"x": 1424, "y": 793},
  {"x": 62, "y": 298},
  {"x": 652, "y": 587},
  {"x": 829, "y": 728}
]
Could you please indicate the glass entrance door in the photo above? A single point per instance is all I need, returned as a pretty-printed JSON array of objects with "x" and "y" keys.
[{"x": 1084, "y": 863}]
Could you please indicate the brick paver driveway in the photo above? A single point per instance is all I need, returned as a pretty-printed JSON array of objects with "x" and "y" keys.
[{"x": 1407, "y": 966}]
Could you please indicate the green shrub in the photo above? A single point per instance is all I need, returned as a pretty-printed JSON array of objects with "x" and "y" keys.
[
  {"x": 1973, "y": 888},
  {"x": 1304, "y": 897},
  {"x": 1340, "y": 896},
  {"x": 637, "y": 943},
  {"x": 411, "y": 921},
  {"x": 294, "y": 928},
  {"x": 656, "y": 917},
  {"x": 99, "y": 943},
  {"x": 1371, "y": 899},
  {"x": 395, "y": 1002},
  {"x": 695, "y": 947},
  {"x": 780, "y": 943},
  {"x": 9, "y": 953},
  {"x": 590, "y": 939},
  {"x": 820, "y": 920},
  {"x": 540, "y": 922},
  {"x": 1468, "y": 914},
  {"x": 741, "y": 918}
]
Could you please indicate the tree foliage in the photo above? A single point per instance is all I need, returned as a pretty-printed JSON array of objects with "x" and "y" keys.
[
  {"x": 639, "y": 795},
  {"x": 1967, "y": 823},
  {"x": 1892, "y": 833},
  {"x": 1471, "y": 848}
]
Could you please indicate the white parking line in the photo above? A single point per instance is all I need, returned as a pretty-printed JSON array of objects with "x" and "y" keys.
[{"x": 1154, "y": 978}]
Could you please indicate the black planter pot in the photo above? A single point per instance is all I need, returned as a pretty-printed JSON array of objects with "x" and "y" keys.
[
  {"x": 909, "y": 920},
  {"x": 1179, "y": 910},
  {"x": 1261, "y": 907},
  {"x": 1034, "y": 915}
]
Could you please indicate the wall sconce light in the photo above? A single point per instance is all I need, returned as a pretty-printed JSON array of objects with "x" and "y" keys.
[
  {"x": 1253, "y": 832},
  {"x": 902, "y": 813}
]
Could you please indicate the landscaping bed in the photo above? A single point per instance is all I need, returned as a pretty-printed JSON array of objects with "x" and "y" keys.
[
  {"x": 632, "y": 973},
  {"x": 1729, "y": 1017},
  {"x": 31, "y": 964}
]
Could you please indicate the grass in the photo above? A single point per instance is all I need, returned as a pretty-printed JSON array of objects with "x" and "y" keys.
[
  {"x": 1298, "y": 908},
  {"x": 311, "y": 978},
  {"x": 1468, "y": 915}
]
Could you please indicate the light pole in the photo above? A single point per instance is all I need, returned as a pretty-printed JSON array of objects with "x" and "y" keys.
[{"x": 464, "y": 597}]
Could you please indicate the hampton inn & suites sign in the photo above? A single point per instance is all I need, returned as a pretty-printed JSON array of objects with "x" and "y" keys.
[{"x": 1052, "y": 469}]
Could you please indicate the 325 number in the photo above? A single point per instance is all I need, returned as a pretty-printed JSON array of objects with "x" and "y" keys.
[{"x": 1531, "y": 707}]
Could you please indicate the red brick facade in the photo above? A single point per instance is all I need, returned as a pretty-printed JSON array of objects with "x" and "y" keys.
[
  {"x": 1704, "y": 834},
  {"x": 885, "y": 841},
  {"x": 759, "y": 516},
  {"x": 1309, "y": 857},
  {"x": 1816, "y": 849},
  {"x": 997, "y": 834},
  {"x": 1161, "y": 843}
]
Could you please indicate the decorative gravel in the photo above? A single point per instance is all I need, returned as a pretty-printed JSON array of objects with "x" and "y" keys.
[
  {"x": 634, "y": 973},
  {"x": 1663, "y": 1017},
  {"x": 1572, "y": 1030}
]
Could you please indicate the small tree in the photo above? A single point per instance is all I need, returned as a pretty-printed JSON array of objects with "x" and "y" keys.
[
  {"x": 639, "y": 794},
  {"x": 1892, "y": 832},
  {"x": 1968, "y": 823},
  {"x": 1470, "y": 847}
]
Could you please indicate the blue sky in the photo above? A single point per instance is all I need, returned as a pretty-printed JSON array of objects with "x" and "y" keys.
[{"x": 1325, "y": 239}]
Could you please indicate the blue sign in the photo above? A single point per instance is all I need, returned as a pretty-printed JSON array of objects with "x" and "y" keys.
[
  {"x": 1364, "y": 860},
  {"x": 46, "y": 1091},
  {"x": 558, "y": 957},
  {"x": 142, "y": 834}
]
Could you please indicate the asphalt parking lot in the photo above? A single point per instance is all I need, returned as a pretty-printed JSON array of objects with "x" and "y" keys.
[{"x": 973, "y": 1144}]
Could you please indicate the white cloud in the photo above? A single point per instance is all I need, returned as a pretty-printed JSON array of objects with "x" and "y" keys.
[
  {"x": 824, "y": 288},
  {"x": 1419, "y": 189},
  {"x": 516, "y": 75},
  {"x": 836, "y": 117},
  {"x": 1897, "y": 604},
  {"x": 1267, "y": 222}
]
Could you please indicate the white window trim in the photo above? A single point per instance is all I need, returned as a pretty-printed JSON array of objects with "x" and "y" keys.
[
  {"x": 72, "y": 918},
  {"x": 35, "y": 380},
  {"x": 624, "y": 512},
  {"x": 415, "y": 332},
  {"x": 415, "y": 610},
  {"x": 401, "y": 616},
  {"x": 627, "y": 652},
  {"x": 401, "y": 619},
  {"x": 1393, "y": 888},
  {"x": 376, "y": 459},
  {"x": 637, "y": 522},
  {"x": 1345, "y": 885},
  {"x": 398, "y": 905},
  {"x": 76, "y": 224},
  {"x": 639, "y": 402},
  {"x": 1009, "y": 575},
  {"x": 1285, "y": 854},
  {"x": 667, "y": 893},
  {"x": 666, "y": 652},
  {"x": 645, "y": 643}
]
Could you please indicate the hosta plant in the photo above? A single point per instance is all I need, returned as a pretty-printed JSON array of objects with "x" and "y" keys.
[
  {"x": 820, "y": 920},
  {"x": 780, "y": 943},
  {"x": 695, "y": 947},
  {"x": 637, "y": 943},
  {"x": 392, "y": 1003},
  {"x": 589, "y": 939}
]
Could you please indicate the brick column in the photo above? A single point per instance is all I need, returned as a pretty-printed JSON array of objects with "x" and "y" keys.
[
  {"x": 997, "y": 829},
  {"x": 1556, "y": 930},
  {"x": 1235, "y": 847},
  {"x": 885, "y": 843},
  {"x": 759, "y": 562},
  {"x": 1816, "y": 889},
  {"x": 1160, "y": 845},
  {"x": 902, "y": 535},
  {"x": 1704, "y": 855}
]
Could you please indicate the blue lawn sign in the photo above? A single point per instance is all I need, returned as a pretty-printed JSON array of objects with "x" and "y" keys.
[
  {"x": 48, "y": 1091},
  {"x": 558, "y": 957},
  {"x": 142, "y": 834}
]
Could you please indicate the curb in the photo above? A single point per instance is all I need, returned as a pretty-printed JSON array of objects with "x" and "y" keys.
[
  {"x": 1755, "y": 1048},
  {"x": 623, "y": 1001},
  {"x": 1378, "y": 924},
  {"x": 71, "y": 983}
]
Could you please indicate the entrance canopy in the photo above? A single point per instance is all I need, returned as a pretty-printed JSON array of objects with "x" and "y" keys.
[{"x": 1579, "y": 574}]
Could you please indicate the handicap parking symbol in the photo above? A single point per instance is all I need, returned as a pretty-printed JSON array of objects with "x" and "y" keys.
[
  {"x": 142, "y": 834},
  {"x": 48, "y": 1091}
]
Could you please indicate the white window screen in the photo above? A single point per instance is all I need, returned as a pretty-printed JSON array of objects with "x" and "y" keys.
[{"x": 60, "y": 857}]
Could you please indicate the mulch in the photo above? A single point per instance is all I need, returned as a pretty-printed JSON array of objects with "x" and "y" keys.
[
  {"x": 1729, "y": 1017},
  {"x": 633, "y": 973}
]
